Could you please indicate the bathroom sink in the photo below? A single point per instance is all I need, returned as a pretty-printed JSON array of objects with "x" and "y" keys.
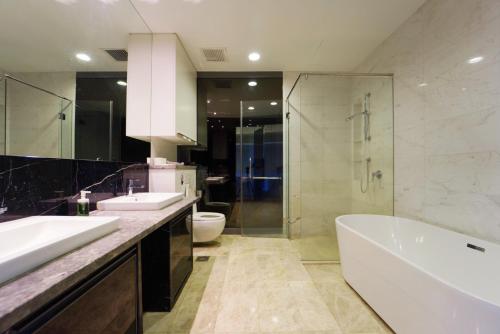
[
  {"x": 29, "y": 242},
  {"x": 140, "y": 202}
]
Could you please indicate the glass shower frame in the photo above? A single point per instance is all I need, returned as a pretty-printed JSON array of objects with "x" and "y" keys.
[
  {"x": 319, "y": 91},
  {"x": 96, "y": 142},
  {"x": 260, "y": 169},
  {"x": 60, "y": 122}
]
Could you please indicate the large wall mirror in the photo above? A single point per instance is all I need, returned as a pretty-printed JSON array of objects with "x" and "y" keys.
[{"x": 63, "y": 79}]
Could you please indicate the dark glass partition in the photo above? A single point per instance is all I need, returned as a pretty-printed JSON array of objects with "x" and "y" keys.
[{"x": 260, "y": 168}]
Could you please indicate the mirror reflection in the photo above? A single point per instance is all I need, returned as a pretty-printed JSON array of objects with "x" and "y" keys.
[{"x": 63, "y": 79}]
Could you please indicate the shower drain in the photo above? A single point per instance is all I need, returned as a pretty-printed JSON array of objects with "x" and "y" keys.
[{"x": 202, "y": 258}]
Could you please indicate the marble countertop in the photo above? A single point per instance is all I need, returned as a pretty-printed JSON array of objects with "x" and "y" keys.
[{"x": 22, "y": 296}]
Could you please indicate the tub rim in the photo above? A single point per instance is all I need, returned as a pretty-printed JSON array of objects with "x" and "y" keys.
[{"x": 426, "y": 272}]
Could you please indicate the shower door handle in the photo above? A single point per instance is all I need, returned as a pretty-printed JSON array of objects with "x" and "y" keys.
[
  {"x": 249, "y": 176},
  {"x": 250, "y": 167}
]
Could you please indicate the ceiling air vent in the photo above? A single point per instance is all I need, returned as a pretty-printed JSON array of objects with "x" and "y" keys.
[
  {"x": 214, "y": 54},
  {"x": 118, "y": 54}
]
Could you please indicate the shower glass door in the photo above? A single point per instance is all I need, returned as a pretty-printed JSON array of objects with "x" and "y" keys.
[
  {"x": 94, "y": 130},
  {"x": 34, "y": 121},
  {"x": 260, "y": 168},
  {"x": 340, "y": 156}
]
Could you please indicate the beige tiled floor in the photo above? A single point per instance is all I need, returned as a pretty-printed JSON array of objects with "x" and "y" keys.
[
  {"x": 317, "y": 247},
  {"x": 259, "y": 285}
]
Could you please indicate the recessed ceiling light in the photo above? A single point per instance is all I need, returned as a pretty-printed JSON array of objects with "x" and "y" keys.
[
  {"x": 423, "y": 84},
  {"x": 274, "y": 103},
  {"x": 254, "y": 56},
  {"x": 251, "y": 108},
  {"x": 208, "y": 101},
  {"x": 475, "y": 60},
  {"x": 252, "y": 83},
  {"x": 121, "y": 83},
  {"x": 83, "y": 57},
  {"x": 215, "y": 113}
]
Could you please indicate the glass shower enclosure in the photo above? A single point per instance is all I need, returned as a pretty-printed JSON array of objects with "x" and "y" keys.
[
  {"x": 260, "y": 168},
  {"x": 95, "y": 125},
  {"x": 339, "y": 147},
  {"x": 34, "y": 121}
]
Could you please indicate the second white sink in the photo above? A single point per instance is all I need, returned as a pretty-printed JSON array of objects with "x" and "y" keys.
[
  {"x": 28, "y": 242},
  {"x": 140, "y": 202}
]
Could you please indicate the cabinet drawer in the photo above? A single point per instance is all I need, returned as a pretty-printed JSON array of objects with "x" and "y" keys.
[
  {"x": 167, "y": 262},
  {"x": 181, "y": 251},
  {"x": 106, "y": 303}
]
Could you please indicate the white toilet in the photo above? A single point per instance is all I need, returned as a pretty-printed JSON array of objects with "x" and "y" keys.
[{"x": 207, "y": 226}]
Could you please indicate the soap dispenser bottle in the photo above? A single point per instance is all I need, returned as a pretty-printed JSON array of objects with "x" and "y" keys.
[{"x": 83, "y": 204}]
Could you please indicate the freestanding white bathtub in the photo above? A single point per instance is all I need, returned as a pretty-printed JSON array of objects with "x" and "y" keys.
[{"x": 421, "y": 279}]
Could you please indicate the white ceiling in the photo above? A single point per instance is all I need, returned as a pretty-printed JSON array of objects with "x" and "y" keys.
[
  {"x": 45, "y": 35},
  {"x": 302, "y": 35}
]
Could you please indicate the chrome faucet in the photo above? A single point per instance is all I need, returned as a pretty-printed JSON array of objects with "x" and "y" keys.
[{"x": 131, "y": 186}]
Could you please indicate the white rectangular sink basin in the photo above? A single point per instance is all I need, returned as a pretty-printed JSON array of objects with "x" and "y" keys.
[
  {"x": 140, "y": 202},
  {"x": 29, "y": 242}
]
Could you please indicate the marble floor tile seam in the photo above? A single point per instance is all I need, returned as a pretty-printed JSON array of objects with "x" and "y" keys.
[
  {"x": 199, "y": 324},
  {"x": 229, "y": 303},
  {"x": 264, "y": 252},
  {"x": 352, "y": 313},
  {"x": 284, "y": 306},
  {"x": 256, "y": 277}
]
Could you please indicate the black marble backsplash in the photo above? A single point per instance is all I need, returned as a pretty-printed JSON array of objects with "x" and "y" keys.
[{"x": 43, "y": 186}]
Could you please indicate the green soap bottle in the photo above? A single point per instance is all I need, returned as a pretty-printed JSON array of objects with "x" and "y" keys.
[{"x": 83, "y": 204}]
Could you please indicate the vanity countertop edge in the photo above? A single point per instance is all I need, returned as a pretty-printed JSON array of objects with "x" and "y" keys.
[{"x": 29, "y": 292}]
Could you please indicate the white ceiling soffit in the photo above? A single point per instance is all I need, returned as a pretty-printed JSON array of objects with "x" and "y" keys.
[
  {"x": 303, "y": 35},
  {"x": 45, "y": 35}
]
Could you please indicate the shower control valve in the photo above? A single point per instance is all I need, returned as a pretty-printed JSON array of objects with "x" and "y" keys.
[{"x": 378, "y": 174}]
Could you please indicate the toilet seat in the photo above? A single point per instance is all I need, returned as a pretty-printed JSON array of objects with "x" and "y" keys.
[
  {"x": 207, "y": 216},
  {"x": 207, "y": 226}
]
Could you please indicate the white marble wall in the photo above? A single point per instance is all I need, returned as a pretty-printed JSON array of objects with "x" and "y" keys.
[
  {"x": 291, "y": 153},
  {"x": 33, "y": 126},
  {"x": 447, "y": 114},
  {"x": 378, "y": 195},
  {"x": 325, "y": 153},
  {"x": 319, "y": 155}
]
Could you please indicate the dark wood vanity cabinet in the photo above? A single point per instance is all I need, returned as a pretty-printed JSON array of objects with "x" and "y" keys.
[
  {"x": 147, "y": 277},
  {"x": 107, "y": 302},
  {"x": 167, "y": 262}
]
